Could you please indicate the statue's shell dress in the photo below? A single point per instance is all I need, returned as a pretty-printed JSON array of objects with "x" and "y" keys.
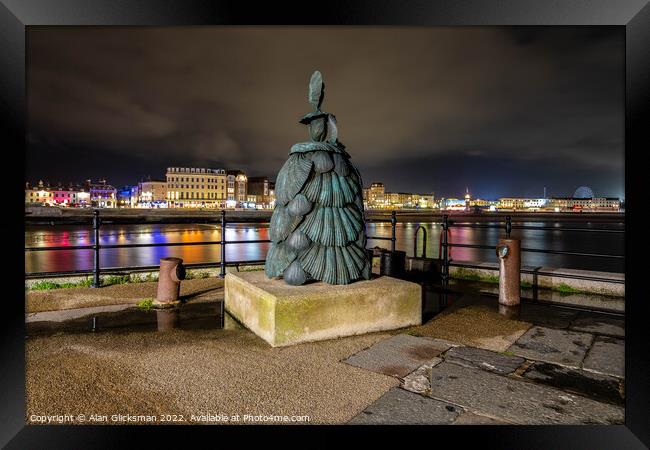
[{"x": 318, "y": 228}]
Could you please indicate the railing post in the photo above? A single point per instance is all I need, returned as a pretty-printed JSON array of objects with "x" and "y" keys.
[
  {"x": 424, "y": 243},
  {"x": 223, "y": 243},
  {"x": 445, "y": 251},
  {"x": 96, "y": 224},
  {"x": 508, "y": 226},
  {"x": 393, "y": 222}
]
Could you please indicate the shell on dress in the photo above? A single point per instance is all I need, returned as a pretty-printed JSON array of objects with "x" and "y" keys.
[
  {"x": 292, "y": 178},
  {"x": 278, "y": 259}
]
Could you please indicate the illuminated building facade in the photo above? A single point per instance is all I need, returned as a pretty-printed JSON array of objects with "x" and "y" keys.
[
  {"x": 585, "y": 204},
  {"x": 151, "y": 194},
  {"x": 38, "y": 194},
  {"x": 237, "y": 184},
  {"x": 376, "y": 195},
  {"x": 259, "y": 193},
  {"x": 42, "y": 194},
  {"x": 124, "y": 199},
  {"x": 191, "y": 187},
  {"x": 512, "y": 203},
  {"x": 103, "y": 195}
]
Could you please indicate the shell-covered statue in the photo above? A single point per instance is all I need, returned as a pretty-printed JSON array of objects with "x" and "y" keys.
[{"x": 318, "y": 228}]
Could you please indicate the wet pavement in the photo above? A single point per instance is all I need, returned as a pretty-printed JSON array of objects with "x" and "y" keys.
[
  {"x": 398, "y": 356},
  {"x": 564, "y": 367},
  {"x": 471, "y": 362},
  {"x": 202, "y": 315}
]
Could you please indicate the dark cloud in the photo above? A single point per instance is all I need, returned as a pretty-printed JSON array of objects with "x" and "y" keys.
[{"x": 418, "y": 108}]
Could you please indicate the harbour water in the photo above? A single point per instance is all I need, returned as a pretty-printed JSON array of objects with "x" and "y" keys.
[{"x": 73, "y": 235}]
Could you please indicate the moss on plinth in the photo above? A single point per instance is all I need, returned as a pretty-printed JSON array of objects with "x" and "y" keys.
[{"x": 285, "y": 315}]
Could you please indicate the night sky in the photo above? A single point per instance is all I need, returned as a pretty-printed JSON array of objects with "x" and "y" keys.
[{"x": 504, "y": 111}]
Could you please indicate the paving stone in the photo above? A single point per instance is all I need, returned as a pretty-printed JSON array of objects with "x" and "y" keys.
[
  {"x": 552, "y": 345},
  {"x": 397, "y": 356},
  {"x": 607, "y": 355},
  {"x": 398, "y": 406},
  {"x": 419, "y": 381},
  {"x": 484, "y": 359},
  {"x": 516, "y": 401},
  {"x": 468, "y": 418},
  {"x": 599, "y": 324},
  {"x": 592, "y": 385},
  {"x": 547, "y": 316}
]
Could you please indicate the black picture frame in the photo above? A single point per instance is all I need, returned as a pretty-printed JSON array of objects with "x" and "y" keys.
[{"x": 16, "y": 15}]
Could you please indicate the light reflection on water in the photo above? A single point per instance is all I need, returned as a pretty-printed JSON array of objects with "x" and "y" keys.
[{"x": 70, "y": 235}]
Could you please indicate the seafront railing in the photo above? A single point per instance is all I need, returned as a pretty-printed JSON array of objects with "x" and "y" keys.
[{"x": 445, "y": 259}]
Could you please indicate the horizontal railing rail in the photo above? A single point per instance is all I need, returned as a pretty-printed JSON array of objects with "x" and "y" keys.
[
  {"x": 445, "y": 246},
  {"x": 508, "y": 226}
]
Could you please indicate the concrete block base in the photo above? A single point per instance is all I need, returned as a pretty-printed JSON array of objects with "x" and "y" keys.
[{"x": 285, "y": 315}]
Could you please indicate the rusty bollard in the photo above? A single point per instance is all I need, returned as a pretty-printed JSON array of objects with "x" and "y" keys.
[
  {"x": 172, "y": 271},
  {"x": 167, "y": 319},
  {"x": 509, "y": 253}
]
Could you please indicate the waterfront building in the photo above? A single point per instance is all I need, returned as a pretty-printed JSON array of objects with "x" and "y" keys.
[
  {"x": 454, "y": 204},
  {"x": 425, "y": 200},
  {"x": 512, "y": 203},
  {"x": 585, "y": 204},
  {"x": 38, "y": 194},
  {"x": 135, "y": 194},
  {"x": 480, "y": 203},
  {"x": 258, "y": 193},
  {"x": 376, "y": 195},
  {"x": 102, "y": 195},
  {"x": 124, "y": 199},
  {"x": 151, "y": 194},
  {"x": 66, "y": 196},
  {"x": 237, "y": 184},
  {"x": 83, "y": 199},
  {"x": 606, "y": 203},
  {"x": 535, "y": 203},
  {"x": 392, "y": 199},
  {"x": 271, "y": 195},
  {"x": 191, "y": 187}
]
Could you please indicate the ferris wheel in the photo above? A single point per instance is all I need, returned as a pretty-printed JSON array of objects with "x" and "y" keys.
[{"x": 583, "y": 192}]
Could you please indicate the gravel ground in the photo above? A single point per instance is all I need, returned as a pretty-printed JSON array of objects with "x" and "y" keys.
[
  {"x": 217, "y": 372},
  {"x": 118, "y": 294},
  {"x": 198, "y": 372},
  {"x": 475, "y": 322}
]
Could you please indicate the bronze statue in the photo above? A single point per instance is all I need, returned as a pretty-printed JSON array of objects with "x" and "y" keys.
[{"x": 318, "y": 227}]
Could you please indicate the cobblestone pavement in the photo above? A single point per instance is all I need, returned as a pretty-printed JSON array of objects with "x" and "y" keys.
[{"x": 567, "y": 368}]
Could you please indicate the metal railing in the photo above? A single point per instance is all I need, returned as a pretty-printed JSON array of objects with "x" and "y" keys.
[
  {"x": 508, "y": 226},
  {"x": 96, "y": 247},
  {"x": 445, "y": 261}
]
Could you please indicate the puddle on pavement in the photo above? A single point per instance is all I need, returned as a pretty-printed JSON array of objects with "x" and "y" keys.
[
  {"x": 541, "y": 313},
  {"x": 185, "y": 317},
  {"x": 435, "y": 300},
  {"x": 595, "y": 386}
]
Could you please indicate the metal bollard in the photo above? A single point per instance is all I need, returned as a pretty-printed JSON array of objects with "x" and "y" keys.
[
  {"x": 172, "y": 271},
  {"x": 168, "y": 319},
  {"x": 509, "y": 253}
]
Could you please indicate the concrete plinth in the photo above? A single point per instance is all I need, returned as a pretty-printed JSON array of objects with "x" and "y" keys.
[{"x": 286, "y": 315}]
